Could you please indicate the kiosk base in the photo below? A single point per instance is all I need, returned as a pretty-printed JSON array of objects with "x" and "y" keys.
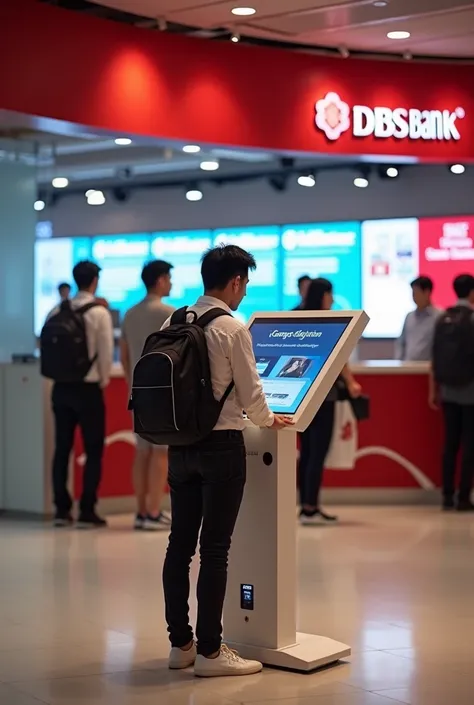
[{"x": 308, "y": 654}]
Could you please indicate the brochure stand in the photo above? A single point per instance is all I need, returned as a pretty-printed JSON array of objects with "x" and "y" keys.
[{"x": 260, "y": 609}]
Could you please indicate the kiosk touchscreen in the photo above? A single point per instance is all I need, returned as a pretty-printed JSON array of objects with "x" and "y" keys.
[{"x": 299, "y": 356}]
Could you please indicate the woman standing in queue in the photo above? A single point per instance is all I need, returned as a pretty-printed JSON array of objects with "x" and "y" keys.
[{"x": 316, "y": 440}]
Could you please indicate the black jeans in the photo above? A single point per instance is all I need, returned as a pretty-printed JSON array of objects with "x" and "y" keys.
[
  {"x": 78, "y": 404},
  {"x": 459, "y": 433},
  {"x": 315, "y": 442},
  {"x": 207, "y": 484}
]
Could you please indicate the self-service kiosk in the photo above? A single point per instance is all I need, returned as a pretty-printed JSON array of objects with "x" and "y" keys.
[{"x": 299, "y": 357}]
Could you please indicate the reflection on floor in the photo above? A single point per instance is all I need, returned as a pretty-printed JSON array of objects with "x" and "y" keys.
[{"x": 81, "y": 616}]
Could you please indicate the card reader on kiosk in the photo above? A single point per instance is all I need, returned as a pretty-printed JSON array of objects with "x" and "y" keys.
[{"x": 299, "y": 356}]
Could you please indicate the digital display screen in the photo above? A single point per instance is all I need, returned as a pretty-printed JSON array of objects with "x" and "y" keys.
[
  {"x": 290, "y": 354},
  {"x": 330, "y": 250},
  {"x": 54, "y": 262},
  {"x": 183, "y": 250},
  {"x": 263, "y": 293},
  {"x": 246, "y": 597},
  {"x": 121, "y": 259},
  {"x": 390, "y": 261}
]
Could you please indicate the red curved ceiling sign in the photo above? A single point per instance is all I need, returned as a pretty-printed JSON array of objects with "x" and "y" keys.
[{"x": 88, "y": 71}]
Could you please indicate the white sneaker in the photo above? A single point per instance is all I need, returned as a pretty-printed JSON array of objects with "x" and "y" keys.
[
  {"x": 228, "y": 663},
  {"x": 182, "y": 659},
  {"x": 159, "y": 523}
]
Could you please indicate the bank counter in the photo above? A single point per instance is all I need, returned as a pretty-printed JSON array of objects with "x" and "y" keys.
[{"x": 392, "y": 457}]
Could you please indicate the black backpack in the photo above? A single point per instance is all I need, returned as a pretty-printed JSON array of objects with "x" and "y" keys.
[
  {"x": 453, "y": 347},
  {"x": 172, "y": 398},
  {"x": 63, "y": 342}
]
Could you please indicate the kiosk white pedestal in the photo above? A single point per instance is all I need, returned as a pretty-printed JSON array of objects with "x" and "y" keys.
[
  {"x": 263, "y": 557},
  {"x": 299, "y": 356}
]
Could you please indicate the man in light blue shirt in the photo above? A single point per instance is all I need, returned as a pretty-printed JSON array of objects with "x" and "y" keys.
[{"x": 416, "y": 340}]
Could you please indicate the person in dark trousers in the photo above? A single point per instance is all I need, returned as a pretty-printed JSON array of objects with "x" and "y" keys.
[
  {"x": 82, "y": 403},
  {"x": 316, "y": 440},
  {"x": 207, "y": 479},
  {"x": 303, "y": 285},
  {"x": 458, "y": 413}
]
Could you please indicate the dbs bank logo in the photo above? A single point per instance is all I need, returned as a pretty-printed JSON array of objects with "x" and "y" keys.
[{"x": 334, "y": 117}]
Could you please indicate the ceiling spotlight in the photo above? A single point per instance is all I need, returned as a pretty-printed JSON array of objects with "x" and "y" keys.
[
  {"x": 307, "y": 180},
  {"x": 123, "y": 141},
  {"x": 361, "y": 182},
  {"x": 60, "y": 182},
  {"x": 235, "y": 38},
  {"x": 39, "y": 205},
  {"x": 380, "y": 3},
  {"x": 90, "y": 192},
  {"x": 398, "y": 35},
  {"x": 344, "y": 52},
  {"x": 243, "y": 11},
  {"x": 392, "y": 172},
  {"x": 194, "y": 194},
  {"x": 209, "y": 165},
  {"x": 457, "y": 168},
  {"x": 191, "y": 148},
  {"x": 96, "y": 198}
]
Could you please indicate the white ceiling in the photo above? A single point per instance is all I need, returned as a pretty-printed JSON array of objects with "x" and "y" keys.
[{"x": 438, "y": 27}]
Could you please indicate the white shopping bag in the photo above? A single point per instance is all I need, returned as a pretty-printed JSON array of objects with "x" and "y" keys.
[{"x": 344, "y": 441}]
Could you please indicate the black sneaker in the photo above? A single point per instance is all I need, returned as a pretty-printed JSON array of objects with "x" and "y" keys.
[
  {"x": 316, "y": 517},
  {"x": 62, "y": 519},
  {"x": 466, "y": 506},
  {"x": 90, "y": 521},
  {"x": 139, "y": 522},
  {"x": 448, "y": 504}
]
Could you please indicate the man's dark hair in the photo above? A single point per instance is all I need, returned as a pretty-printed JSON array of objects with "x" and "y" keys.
[
  {"x": 303, "y": 279},
  {"x": 152, "y": 271},
  {"x": 315, "y": 296},
  {"x": 423, "y": 283},
  {"x": 84, "y": 274},
  {"x": 64, "y": 285},
  {"x": 222, "y": 264},
  {"x": 463, "y": 286}
]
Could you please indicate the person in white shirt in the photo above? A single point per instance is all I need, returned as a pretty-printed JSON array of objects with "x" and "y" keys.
[
  {"x": 82, "y": 403},
  {"x": 207, "y": 479}
]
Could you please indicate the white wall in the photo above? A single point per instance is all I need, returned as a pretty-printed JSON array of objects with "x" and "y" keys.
[{"x": 420, "y": 191}]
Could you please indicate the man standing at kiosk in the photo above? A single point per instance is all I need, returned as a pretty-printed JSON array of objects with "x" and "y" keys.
[{"x": 207, "y": 479}]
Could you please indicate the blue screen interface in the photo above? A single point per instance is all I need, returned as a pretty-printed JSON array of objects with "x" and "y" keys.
[{"x": 291, "y": 354}]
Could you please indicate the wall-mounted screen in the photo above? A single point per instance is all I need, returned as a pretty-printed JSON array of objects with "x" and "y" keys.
[
  {"x": 291, "y": 354},
  {"x": 330, "y": 250},
  {"x": 263, "y": 292},
  {"x": 183, "y": 249},
  {"x": 121, "y": 259},
  {"x": 390, "y": 262},
  {"x": 54, "y": 261}
]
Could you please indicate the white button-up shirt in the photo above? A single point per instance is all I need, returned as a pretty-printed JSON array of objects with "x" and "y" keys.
[
  {"x": 100, "y": 337},
  {"x": 231, "y": 357}
]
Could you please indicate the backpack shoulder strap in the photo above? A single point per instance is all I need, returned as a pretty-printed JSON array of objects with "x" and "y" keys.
[
  {"x": 87, "y": 307},
  {"x": 210, "y": 316},
  {"x": 179, "y": 316}
]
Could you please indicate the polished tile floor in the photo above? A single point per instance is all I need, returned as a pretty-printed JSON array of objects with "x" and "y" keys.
[{"x": 81, "y": 616}]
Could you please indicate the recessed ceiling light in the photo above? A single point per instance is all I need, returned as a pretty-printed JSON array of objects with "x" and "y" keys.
[
  {"x": 361, "y": 182},
  {"x": 39, "y": 205},
  {"x": 243, "y": 11},
  {"x": 457, "y": 168},
  {"x": 380, "y": 3},
  {"x": 399, "y": 34},
  {"x": 123, "y": 141},
  {"x": 209, "y": 165},
  {"x": 194, "y": 194},
  {"x": 191, "y": 148},
  {"x": 95, "y": 198},
  {"x": 392, "y": 172},
  {"x": 60, "y": 182},
  {"x": 307, "y": 180},
  {"x": 235, "y": 38}
]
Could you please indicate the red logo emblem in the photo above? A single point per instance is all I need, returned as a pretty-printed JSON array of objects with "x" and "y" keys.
[{"x": 332, "y": 116}]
